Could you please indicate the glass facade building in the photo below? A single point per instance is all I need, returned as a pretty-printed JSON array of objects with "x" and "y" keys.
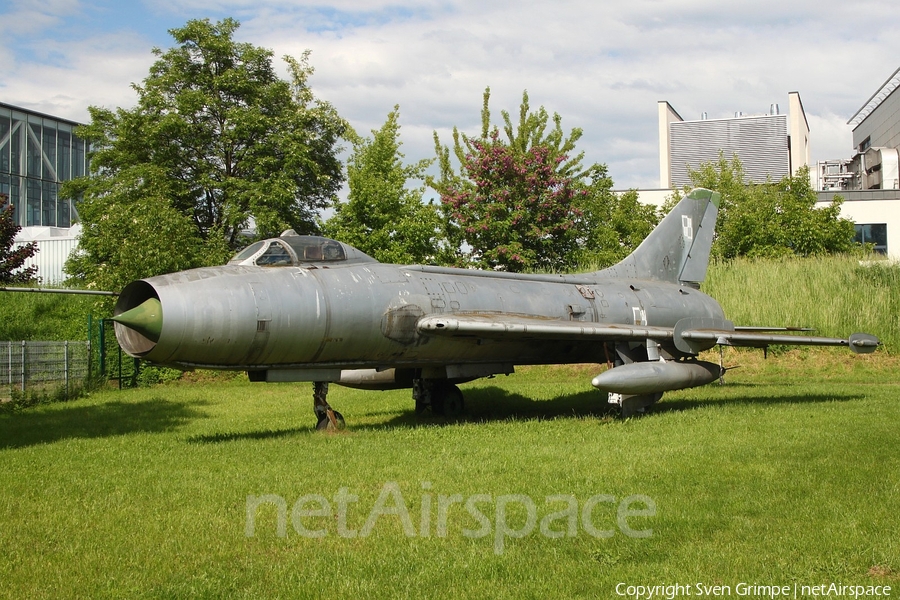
[{"x": 37, "y": 153}]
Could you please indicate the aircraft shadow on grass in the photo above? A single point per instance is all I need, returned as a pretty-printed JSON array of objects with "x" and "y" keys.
[
  {"x": 678, "y": 404},
  {"x": 488, "y": 404},
  {"x": 265, "y": 434},
  {"x": 496, "y": 404},
  {"x": 73, "y": 421}
]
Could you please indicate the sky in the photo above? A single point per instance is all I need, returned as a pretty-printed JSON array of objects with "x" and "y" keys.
[{"x": 601, "y": 65}]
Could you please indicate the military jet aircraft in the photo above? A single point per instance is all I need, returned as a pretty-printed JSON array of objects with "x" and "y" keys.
[{"x": 306, "y": 308}]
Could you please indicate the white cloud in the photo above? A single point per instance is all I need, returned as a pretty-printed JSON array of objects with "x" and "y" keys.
[
  {"x": 29, "y": 16},
  {"x": 602, "y": 65},
  {"x": 97, "y": 72},
  {"x": 830, "y": 137}
]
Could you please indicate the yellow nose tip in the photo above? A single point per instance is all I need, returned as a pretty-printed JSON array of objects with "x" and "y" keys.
[{"x": 146, "y": 319}]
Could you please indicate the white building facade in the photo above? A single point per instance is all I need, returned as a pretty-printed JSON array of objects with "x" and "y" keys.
[{"x": 768, "y": 145}]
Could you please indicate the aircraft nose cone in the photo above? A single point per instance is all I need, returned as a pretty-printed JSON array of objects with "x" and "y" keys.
[{"x": 145, "y": 319}]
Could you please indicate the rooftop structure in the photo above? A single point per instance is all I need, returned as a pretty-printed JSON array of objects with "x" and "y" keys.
[{"x": 768, "y": 145}]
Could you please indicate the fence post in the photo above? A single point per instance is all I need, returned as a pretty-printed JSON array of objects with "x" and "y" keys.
[
  {"x": 103, "y": 347},
  {"x": 66, "y": 366},
  {"x": 23, "y": 365},
  {"x": 90, "y": 339}
]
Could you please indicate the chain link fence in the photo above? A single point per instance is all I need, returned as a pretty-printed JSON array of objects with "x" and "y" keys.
[{"x": 43, "y": 368}]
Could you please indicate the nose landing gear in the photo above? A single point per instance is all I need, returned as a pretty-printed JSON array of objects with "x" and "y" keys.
[{"x": 328, "y": 419}]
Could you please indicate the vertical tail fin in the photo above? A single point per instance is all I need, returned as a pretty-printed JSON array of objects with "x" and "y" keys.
[{"x": 678, "y": 249}]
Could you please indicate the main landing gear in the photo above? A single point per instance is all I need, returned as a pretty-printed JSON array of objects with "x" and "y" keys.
[
  {"x": 328, "y": 419},
  {"x": 438, "y": 395}
]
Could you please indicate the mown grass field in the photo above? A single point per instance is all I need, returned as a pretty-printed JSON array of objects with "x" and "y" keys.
[{"x": 788, "y": 474}]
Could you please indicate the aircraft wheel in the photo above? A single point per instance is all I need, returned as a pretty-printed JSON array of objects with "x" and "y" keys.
[
  {"x": 447, "y": 400},
  {"x": 454, "y": 403},
  {"x": 325, "y": 424}
]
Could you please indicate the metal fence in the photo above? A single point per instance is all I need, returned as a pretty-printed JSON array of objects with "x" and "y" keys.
[
  {"x": 43, "y": 367},
  {"x": 110, "y": 363}
]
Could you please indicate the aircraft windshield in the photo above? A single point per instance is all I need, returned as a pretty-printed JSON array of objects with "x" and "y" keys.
[
  {"x": 247, "y": 252},
  {"x": 276, "y": 255}
]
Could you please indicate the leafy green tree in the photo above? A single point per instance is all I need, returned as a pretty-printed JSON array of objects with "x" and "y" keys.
[
  {"x": 773, "y": 218},
  {"x": 12, "y": 260},
  {"x": 612, "y": 224},
  {"x": 524, "y": 200},
  {"x": 135, "y": 233},
  {"x": 382, "y": 217},
  {"x": 216, "y": 139}
]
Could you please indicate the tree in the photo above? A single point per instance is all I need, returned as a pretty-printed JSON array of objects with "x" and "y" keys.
[
  {"x": 135, "y": 233},
  {"x": 612, "y": 224},
  {"x": 521, "y": 213},
  {"x": 218, "y": 138},
  {"x": 773, "y": 218},
  {"x": 12, "y": 260},
  {"x": 382, "y": 217},
  {"x": 525, "y": 201}
]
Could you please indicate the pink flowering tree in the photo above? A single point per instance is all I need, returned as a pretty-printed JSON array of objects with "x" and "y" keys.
[
  {"x": 521, "y": 213},
  {"x": 521, "y": 199},
  {"x": 12, "y": 258}
]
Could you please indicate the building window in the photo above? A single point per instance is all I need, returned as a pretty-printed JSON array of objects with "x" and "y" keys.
[
  {"x": 38, "y": 154},
  {"x": 865, "y": 144},
  {"x": 875, "y": 234}
]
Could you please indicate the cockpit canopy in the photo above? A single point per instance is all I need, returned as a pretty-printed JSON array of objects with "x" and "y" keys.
[{"x": 294, "y": 250}]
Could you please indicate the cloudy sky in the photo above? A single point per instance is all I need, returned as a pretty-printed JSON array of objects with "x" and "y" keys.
[{"x": 602, "y": 65}]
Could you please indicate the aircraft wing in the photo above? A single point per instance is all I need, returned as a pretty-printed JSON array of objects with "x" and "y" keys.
[
  {"x": 520, "y": 327},
  {"x": 861, "y": 343},
  {"x": 690, "y": 335}
]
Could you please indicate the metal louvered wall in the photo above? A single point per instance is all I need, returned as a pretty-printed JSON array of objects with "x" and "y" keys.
[{"x": 760, "y": 142}]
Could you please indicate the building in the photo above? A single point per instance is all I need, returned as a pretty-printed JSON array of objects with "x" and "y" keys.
[
  {"x": 768, "y": 145},
  {"x": 774, "y": 145},
  {"x": 869, "y": 181},
  {"x": 37, "y": 154}
]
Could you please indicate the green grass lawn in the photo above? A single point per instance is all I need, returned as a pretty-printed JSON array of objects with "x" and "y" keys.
[{"x": 788, "y": 474}]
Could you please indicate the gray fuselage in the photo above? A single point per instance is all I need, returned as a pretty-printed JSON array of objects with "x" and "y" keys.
[{"x": 364, "y": 315}]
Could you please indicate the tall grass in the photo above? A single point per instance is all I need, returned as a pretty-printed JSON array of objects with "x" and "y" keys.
[
  {"x": 837, "y": 295},
  {"x": 34, "y": 316}
]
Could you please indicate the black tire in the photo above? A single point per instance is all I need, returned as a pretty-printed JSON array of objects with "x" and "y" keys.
[
  {"x": 447, "y": 401},
  {"x": 324, "y": 423},
  {"x": 454, "y": 402}
]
